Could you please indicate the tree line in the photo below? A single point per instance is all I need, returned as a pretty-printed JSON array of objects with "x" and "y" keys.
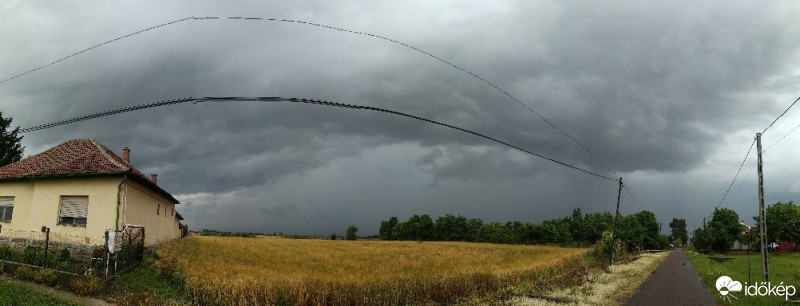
[
  {"x": 719, "y": 233},
  {"x": 637, "y": 231}
]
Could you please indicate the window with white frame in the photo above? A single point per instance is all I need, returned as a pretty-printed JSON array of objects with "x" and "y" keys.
[
  {"x": 73, "y": 210},
  {"x": 6, "y": 208}
]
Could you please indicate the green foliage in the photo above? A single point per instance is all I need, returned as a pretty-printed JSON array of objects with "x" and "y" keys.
[
  {"x": 207, "y": 232},
  {"x": 642, "y": 230},
  {"x": 386, "y": 228},
  {"x": 725, "y": 229},
  {"x": 631, "y": 232},
  {"x": 652, "y": 230},
  {"x": 15, "y": 294},
  {"x": 6, "y": 253},
  {"x": 783, "y": 222},
  {"x": 678, "y": 227},
  {"x": 63, "y": 254},
  {"x": 10, "y": 142},
  {"x": 350, "y": 234}
]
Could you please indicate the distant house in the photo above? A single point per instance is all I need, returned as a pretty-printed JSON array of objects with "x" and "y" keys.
[{"x": 80, "y": 189}]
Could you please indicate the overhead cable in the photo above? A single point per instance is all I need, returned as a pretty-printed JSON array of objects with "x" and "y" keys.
[
  {"x": 93, "y": 47},
  {"x": 306, "y": 101},
  {"x": 736, "y": 176},
  {"x": 482, "y": 79},
  {"x": 781, "y": 115}
]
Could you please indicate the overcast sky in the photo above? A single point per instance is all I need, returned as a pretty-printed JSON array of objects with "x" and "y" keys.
[{"x": 669, "y": 95}]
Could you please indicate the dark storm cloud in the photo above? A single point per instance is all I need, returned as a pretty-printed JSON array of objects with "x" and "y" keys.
[{"x": 660, "y": 92}]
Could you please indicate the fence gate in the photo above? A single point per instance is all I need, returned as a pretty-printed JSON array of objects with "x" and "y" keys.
[{"x": 124, "y": 249}]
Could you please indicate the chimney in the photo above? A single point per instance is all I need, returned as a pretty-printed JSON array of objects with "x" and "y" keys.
[
  {"x": 126, "y": 155},
  {"x": 154, "y": 178}
]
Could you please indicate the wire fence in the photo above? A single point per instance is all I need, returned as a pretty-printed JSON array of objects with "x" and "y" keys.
[{"x": 115, "y": 251}]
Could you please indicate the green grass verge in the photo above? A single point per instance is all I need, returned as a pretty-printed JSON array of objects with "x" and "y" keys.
[
  {"x": 14, "y": 294},
  {"x": 783, "y": 268},
  {"x": 143, "y": 286}
]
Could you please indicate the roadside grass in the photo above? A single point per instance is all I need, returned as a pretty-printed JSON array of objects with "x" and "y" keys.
[
  {"x": 610, "y": 286},
  {"x": 273, "y": 270},
  {"x": 15, "y": 294},
  {"x": 144, "y": 286},
  {"x": 784, "y": 268}
]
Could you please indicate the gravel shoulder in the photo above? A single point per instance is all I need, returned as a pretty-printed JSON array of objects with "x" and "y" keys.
[{"x": 611, "y": 287}]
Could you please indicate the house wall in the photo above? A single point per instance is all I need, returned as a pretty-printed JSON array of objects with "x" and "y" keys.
[
  {"x": 36, "y": 204},
  {"x": 142, "y": 204}
]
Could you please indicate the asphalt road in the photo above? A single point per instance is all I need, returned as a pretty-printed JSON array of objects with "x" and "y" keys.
[{"x": 674, "y": 282}]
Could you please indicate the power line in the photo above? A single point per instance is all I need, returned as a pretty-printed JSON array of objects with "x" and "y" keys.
[
  {"x": 482, "y": 79},
  {"x": 781, "y": 115},
  {"x": 736, "y": 176},
  {"x": 633, "y": 197},
  {"x": 299, "y": 100},
  {"x": 780, "y": 139},
  {"x": 93, "y": 47}
]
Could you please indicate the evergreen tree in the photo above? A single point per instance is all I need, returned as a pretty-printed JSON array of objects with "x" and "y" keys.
[{"x": 10, "y": 147}]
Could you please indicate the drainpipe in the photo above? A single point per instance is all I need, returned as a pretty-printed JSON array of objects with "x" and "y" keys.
[{"x": 119, "y": 188}]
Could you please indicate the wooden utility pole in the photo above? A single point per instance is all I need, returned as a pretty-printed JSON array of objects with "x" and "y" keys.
[
  {"x": 762, "y": 220},
  {"x": 614, "y": 233}
]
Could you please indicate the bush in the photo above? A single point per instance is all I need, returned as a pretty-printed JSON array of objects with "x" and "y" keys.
[
  {"x": 63, "y": 255},
  {"x": 6, "y": 253},
  {"x": 24, "y": 273},
  {"x": 45, "y": 276},
  {"x": 32, "y": 256},
  {"x": 87, "y": 286}
]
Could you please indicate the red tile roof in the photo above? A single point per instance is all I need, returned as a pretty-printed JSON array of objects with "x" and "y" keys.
[{"x": 77, "y": 157}]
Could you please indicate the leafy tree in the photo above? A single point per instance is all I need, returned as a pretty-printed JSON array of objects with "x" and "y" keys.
[
  {"x": 555, "y": 231},
  {"x": 701, "y": 238},
  {"x": 577, "y": 226},
  {"x": 10, "y": 142},
  {"x": 492, "y": 233},
  {"x": 725, "y": 229},
  {"x": 678, "y": 227},
  {"x": 631, "y": 232},
  {"x": 750, "y": 237},
  {"x": 781, "y": 221},
  {"x": 652, "y": 230},
  {"x": 451, "y": 228},
  {"x": 597, "y": 223},
  {"x": 474, "y": 225},
  {"x": 387, "y": 226},
  {"x": 351, "y": 232}
]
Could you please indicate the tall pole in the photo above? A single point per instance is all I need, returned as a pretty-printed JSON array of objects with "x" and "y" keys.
[
  {"x": 614, "y": 233},
  {"x": 762, "y": 221}
]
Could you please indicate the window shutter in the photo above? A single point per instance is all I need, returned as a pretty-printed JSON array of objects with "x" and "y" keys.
[
  {"x": 6, "y": 201},
  {"x": 74, "y": 207}
]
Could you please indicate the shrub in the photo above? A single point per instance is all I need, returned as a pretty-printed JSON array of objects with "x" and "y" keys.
[
  {"x": 45, "y": 276},
  {"x": 6, "y": 253},
  {"x": 24, "y": 273},
  {"x": 31, "y": 256},
  {"x": 87, "y": 286},
  {"x": 63, "y": 255}
]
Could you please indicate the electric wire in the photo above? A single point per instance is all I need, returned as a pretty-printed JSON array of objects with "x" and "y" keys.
[
  {"x": 300, "y": 100},
  {"x": 780, "y": 139},
  {"x": 781, "y": 115},
  {"x": 736, "y": 176},
  {"x": 93, "y": 47},
  {"x": 482, "y": 79},
  {"x": 633, "y": 197}
]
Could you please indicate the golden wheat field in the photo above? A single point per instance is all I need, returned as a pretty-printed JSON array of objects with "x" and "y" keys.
[{"x": 274, "y": 270}]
